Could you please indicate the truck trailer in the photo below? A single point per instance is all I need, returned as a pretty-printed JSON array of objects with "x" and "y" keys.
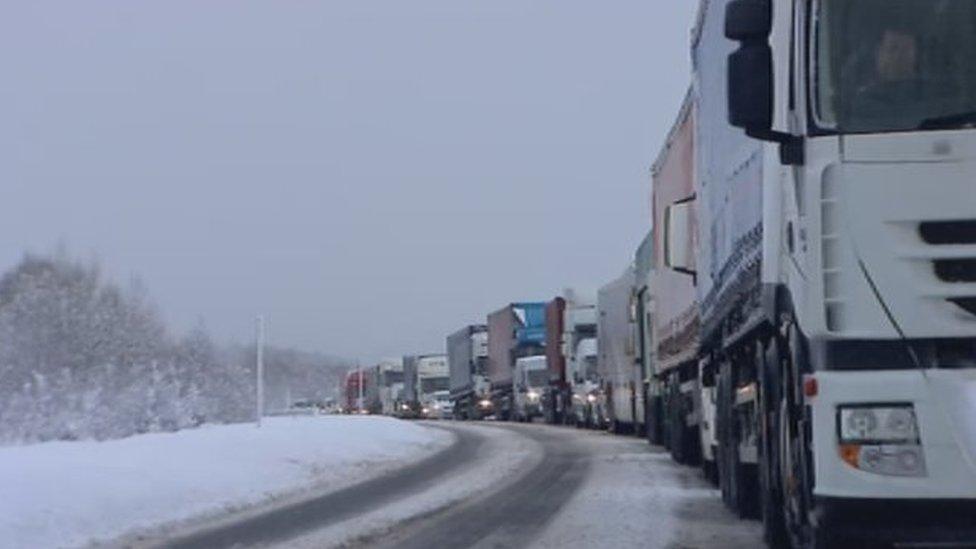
[
  {"x": 389, "y": 381},
  {"x": 643, "y": 309},
  {"x": 355, "y": 387},
  {"x": 617, "y": 363},
  {"x": 514, "y": 331},
  {"x": 815, "y": 275},
  {"x": 467, "y": 356}
]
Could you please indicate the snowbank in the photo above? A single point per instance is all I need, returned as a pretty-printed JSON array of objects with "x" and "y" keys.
[{"x": 71, "y": 493}]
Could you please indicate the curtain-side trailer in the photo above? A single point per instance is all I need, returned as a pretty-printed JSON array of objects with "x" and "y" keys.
[{"x": 676, "y": 322}]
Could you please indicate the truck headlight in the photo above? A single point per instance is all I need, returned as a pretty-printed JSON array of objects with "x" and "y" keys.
[
  {"x": 591, "y": 398},
  {"x": 882, "y": 439},
  {"x": 485, "y": 403},
  {"x": 877, "y": 424},
  {"x": 533, "y": 395}
]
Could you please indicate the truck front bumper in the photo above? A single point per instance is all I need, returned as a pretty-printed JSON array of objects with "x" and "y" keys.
[{"x": 943, "y": 522}]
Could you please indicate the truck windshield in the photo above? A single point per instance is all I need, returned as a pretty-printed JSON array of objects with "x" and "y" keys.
[
  {"x": 431, "y": 384},
  {"x": 895, "y": 65},
  {"x": 592, "y": 371},
  {"x": 538, "y": 378}
]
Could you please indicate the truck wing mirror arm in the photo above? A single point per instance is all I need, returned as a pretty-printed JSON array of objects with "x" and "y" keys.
[{"x": 790, "y": 146}]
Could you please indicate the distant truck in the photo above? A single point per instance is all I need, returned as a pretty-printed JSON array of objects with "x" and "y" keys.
[
  {"x": 570, "y": 318},
  {"x": 389, "y": 381},
  {"x": 589, "y": 402},
  {"x": 531, "y": 379},
  {"x": 617, "y": 362},
  {"x": 423, "y": 375},
  {"x": 355, "y": 388},
  {"x": 467, "y": 357},
  {"x": 643, "y": 308},
  {"x": 437, "y": 405},
  {"x": 514, "y": 331}
]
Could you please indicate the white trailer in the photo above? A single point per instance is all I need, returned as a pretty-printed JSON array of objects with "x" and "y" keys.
[
  {"x": 830, "y": 236},
  {"x": 619, "y": 371},
  {"x": 390, "y": 385}
]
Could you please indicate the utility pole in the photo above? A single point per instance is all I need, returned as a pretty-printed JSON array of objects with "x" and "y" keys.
[
  {"x": 360, "y": 386},
  {"x": 260, "y": 368}
]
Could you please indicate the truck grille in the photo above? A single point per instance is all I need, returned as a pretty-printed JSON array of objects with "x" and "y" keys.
[
  {"x": 967, "y": 304},
  {"x": 948, "y": 232},
  {"x": 953, "y": 258},
  {"x": 955, "y": 270}
]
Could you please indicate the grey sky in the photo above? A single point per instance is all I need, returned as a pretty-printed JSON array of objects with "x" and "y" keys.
[{"x": 369, "y": 174}]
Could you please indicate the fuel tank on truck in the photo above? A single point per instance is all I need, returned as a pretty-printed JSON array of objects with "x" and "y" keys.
[{"x": 676, "y": 320}]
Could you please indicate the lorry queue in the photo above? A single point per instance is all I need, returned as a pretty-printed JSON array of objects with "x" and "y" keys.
[{"x": 800, "y": 320}]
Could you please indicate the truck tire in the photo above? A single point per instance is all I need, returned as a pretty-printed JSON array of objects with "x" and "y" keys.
[
  {"x": 770, "y": 490},
  {"x": 679, "y": 444},
  {"x": 732, "y": 479},
  {"x": 654, "y": 421}
]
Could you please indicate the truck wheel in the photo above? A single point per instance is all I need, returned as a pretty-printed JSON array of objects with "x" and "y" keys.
[
  {"x": 723, "y": 458},
  {"x": 677, "y": 424},
  {"x": 769, "y": 362}
]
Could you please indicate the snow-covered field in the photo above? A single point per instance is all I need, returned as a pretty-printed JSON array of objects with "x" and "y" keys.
[{"x": 73, "y": 493}]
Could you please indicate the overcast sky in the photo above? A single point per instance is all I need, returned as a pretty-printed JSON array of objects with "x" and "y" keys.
[{"x": 369, "y": 174}]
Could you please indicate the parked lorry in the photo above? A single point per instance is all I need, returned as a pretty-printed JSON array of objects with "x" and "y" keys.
[
  {"x": 422, "y": 376},
  {"x": 570, "y": 318},
  {"x": 616, "y": 362},
  {"x": 437, "y": 405},
  {"x": 531, "y": 379},
  {"x": 589, "y": 402},
  {"x": 514, "y": 331},
  {"x": 816, "y": 227},
  {"x": 467, "y": 356},
  {"x": 643, "y": 309},
  {"x": 355, "y": 387},
  {"x": 389, "y": 380}
]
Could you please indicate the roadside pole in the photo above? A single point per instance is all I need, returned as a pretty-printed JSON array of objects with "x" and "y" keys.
[
  {"x": 360, "y": 368},
  {"x": 260, "y": 369}
]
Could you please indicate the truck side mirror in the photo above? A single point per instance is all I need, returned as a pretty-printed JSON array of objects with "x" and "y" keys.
[
  {"x": 750, "y": 68},
  {"x": 678, "y": 254},
  {"x": 751, "y": 94},
  {"x": 748, "y": 20},
  {"x": 751, "y": 89}
]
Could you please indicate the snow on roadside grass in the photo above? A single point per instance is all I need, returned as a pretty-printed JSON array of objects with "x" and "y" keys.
[{"x": 71, "y": 493}]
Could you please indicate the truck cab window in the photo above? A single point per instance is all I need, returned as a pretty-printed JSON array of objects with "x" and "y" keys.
[{"x": 895, "y": 65}]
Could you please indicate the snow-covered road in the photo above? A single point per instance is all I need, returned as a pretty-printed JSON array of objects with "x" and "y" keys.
[
  {"x": 508, "y": 485},
  {"x": 67, "y": 494},
  {"x": 585, "y": 489}
]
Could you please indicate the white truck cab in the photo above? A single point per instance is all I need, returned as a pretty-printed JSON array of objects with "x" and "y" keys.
[
  {"x": 589, "y": 404},
  {"x": 865, "y": 112},
  {"x": 531, "y": 379}
]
